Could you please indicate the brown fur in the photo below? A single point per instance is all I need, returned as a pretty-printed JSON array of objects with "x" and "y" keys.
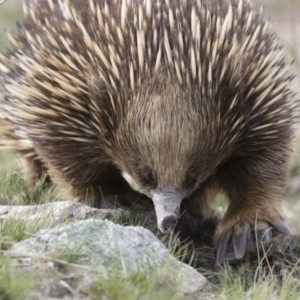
[{"x": 162, "y": 121}]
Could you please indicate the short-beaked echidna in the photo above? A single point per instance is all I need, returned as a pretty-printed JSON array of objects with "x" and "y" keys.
[{"x": 188, "y": 97}]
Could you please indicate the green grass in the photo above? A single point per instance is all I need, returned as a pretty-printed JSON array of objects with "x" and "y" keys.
[
  {"x": 265, "y": 285},
  {"x": 13, "y": 186},
  {"x": 14, "y": 190},
  {"x": 12, "y": 230},
  {"x": 153, "y": 286},
  {"x": 157, "y": 284},
  {"x": 121, "y": 218},
  {"x": 13, "y": 285}
]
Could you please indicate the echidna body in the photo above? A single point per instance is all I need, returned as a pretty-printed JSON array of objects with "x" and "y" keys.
[{"x": 188, "y": 97}]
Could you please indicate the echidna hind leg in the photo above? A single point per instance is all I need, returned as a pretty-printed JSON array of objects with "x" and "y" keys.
[{"x": 33, "y": 170}]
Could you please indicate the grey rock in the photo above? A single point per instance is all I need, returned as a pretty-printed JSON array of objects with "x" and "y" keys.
[
  {"x": 102, "y": 247},
  {"x": 56, "y": 213}
]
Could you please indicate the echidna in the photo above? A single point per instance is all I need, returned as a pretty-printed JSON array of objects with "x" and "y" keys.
[{"x": 188, "y": 97}]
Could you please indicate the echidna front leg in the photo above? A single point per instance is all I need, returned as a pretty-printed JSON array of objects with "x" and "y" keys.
[
  {"x": 199, "y": 219},
  {"x": 101, "y": 187},
  {"x": 82, "y": 176},
  {"x": 198, "y": 204},
  {"x": 112, "y": 190},
  {"x": 254, "y": 185}
]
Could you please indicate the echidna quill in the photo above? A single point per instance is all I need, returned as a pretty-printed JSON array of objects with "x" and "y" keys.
[{"x": 188, "y": 97}]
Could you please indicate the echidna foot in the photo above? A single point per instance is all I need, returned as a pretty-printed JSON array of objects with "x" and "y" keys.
[{"x": 243, "y": 236}]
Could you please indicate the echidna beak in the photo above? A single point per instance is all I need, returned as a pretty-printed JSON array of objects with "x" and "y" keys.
[{"x": 167, "y": 207}]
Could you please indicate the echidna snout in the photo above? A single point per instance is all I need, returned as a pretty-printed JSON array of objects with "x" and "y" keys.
[{"x": 167, "y": 207}]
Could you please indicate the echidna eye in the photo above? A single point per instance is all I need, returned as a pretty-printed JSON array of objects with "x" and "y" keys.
[
  {"x": 190, "y": 181},
  {"x": 191, "y": 177},
  {"x": 147, "y": 177}
]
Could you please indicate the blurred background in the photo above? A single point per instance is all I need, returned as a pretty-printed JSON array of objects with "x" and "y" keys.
[
  {"x": 285, "y": 17},
  {"x": 10, "y": 13}
]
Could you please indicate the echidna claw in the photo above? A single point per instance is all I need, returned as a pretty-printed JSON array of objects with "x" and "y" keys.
[
  {"x": 239, "y": 239},
  {"x": 222, "y": 247},
  {"x": 280, "y": 227},
  {"x": 263, "y": 232},
  {"x": 242, "y": 233}
]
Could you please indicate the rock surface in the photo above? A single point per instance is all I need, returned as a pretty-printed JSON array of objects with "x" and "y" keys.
[
  {"x": 55, "y": 213},
  {"x": 92, "y": 248}
]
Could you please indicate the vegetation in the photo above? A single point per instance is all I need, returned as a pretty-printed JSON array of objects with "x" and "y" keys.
[{"x": 266, "y": 279}]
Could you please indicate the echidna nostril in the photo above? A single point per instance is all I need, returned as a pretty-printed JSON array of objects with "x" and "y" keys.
[{"x": 168, "y": 223}]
